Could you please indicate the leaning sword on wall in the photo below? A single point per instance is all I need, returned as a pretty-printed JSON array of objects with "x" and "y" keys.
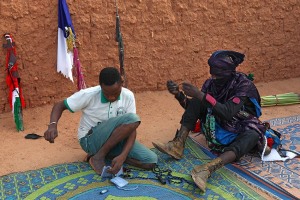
[{"x": 119, "y": 39}]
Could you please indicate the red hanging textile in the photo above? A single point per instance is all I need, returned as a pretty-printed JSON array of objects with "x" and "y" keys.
[
  {"x": 77, "y": 70},
  {"x": 15, "y": 97}
]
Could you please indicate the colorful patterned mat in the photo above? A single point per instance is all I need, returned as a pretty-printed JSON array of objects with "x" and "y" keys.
[
  {"x": 281, "y": 178},
  {"x": 78, "y": 181}
]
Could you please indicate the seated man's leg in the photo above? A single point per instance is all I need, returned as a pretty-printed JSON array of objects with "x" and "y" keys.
[
  {"x": 243, "y": 143},
  {"x": 139, "y": 156},
  {"x": 106, "y": 136},
  {"x": 175, "y": 148}
]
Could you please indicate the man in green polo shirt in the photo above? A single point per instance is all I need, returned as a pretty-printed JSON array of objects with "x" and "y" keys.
[{"x": 108, "y": 124}]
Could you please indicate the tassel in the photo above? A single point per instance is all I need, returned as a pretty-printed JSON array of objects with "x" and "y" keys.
[
  {"x": 76, "y": 63},
  {"x": 77, "y": 70}
]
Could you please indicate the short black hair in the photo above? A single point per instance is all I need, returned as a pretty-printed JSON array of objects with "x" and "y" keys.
[{"x": 109, "y": 76}]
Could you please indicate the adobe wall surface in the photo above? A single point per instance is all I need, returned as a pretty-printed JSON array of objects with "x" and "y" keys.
[{"x": 163, "y": 40}]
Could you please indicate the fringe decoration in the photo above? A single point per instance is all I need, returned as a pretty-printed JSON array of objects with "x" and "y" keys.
[
  {"x": 77, "y": 70},
  {"x": 76, "y": 63}
]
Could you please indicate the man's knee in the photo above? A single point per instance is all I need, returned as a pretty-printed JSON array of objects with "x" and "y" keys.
[
  {"x": 251, "y": 137},
  {"x": 244, "y": 143},
  {"x": 150, "y": 158},
  {"x": 153, "y": 158},
  {"x": 131, "y": 118}
]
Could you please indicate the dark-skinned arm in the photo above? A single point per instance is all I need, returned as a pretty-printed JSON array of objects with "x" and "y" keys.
[
  {"x": 229, "y": 109},
  {"x": 182, "y": 99},
  {"x": 51, "y": 133},
  {"x": 118, "y": 161},
  {"x": 173, "y": 88},
  {"x": 225, "y": 111},
  {"x": 192, "y": 91}
]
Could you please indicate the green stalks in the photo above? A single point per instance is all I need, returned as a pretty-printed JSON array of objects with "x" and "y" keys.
[{"x": 280, "y": 99}]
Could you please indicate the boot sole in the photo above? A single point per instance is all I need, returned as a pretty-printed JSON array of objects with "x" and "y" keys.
[
  {"x": 198, "y": 184},
  {"x": 166, "y": 152}
]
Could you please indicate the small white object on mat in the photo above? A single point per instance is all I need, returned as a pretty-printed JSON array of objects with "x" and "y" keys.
[
  {"x": 274, "y": 156},
  {"x": 119, "y": 182}
]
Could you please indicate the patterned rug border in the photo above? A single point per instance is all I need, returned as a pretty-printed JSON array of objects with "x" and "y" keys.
[
  {"x": 53, "y": 184},
  {"x": 251, "y": 179},
  {"x": 228, "y": 173},
  {"x": 284, "y": 120},
  {"x": 246, "y": 178}
]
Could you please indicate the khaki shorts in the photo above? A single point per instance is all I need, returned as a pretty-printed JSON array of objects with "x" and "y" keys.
[{"x": 97, "y": 136}]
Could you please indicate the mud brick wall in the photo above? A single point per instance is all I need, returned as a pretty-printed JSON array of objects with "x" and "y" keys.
[{"x": 164, "y": 39}]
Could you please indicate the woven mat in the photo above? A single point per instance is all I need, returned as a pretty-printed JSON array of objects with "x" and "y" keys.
[
  {"x": 78, "y": 181},
  {"x": 280, "y": 178},
  {"x": 284, "y": 175}
]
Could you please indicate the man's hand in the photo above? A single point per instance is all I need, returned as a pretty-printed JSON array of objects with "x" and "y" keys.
[
  {"x": 192, "y": 91},
  {"x": 172, "y": 87},
  {"x": 51, "y": 133},
  {"x": 116, "y": 164}
]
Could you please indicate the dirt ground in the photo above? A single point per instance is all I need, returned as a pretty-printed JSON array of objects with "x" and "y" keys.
[{"x": 159, "y": 111}]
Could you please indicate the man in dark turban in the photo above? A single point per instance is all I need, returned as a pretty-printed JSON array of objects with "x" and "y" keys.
[{"x": 228, "y": 107}]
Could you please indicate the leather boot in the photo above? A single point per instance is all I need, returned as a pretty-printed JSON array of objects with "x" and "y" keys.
[
  {"x": 175, "y": 147},
  {"x": 201, "y": 173}
]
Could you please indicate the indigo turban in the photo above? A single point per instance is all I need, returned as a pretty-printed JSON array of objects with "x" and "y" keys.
[{"x": 223, "y": 63}]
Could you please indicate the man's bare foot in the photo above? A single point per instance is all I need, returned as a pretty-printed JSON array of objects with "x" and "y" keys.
[{"x": 97, "y": 165}]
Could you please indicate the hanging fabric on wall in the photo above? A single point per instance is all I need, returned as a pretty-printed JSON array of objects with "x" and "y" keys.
[
  {"x": 64, "y": 51},
  {"x": 67, "y": 53},
  {"x": 77, "y": 70},
  {"x": 13, "y": 81}
]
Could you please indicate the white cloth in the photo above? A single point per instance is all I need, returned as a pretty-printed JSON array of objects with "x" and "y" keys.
[
  {"x": 15, "y": 95},
  {"x": 64, "y": 58},
  {"x": 274, "y": 156},
  {"x": 96, "y": 109}
]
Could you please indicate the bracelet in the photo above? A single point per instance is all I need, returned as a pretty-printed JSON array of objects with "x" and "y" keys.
[{"x": 52, "y": 123}]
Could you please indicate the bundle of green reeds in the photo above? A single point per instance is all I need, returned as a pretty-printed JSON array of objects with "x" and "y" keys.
[{"x": 280, "y": 99}]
